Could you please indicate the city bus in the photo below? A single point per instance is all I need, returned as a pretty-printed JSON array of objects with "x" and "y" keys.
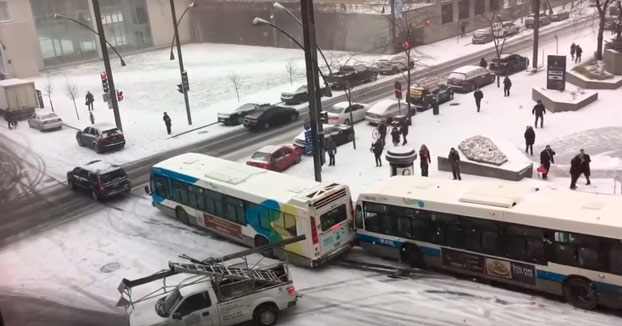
[
  {"x": 255, "y": 206},
  {"x": 557, "y": 241}
]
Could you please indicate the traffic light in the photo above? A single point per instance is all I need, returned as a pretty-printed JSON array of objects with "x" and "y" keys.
[
  {"x": 398, "y": 90},
  {"x": 428, "y": 22},
  {"x": 184, "y": 80},
  {"x": 119, "y": 96},
  {"x": 105, "y": 85},
  {"x": 324, "y": 117}
]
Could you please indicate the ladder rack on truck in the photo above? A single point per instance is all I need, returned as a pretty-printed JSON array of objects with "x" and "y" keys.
[{"x": 211, "y": 268}]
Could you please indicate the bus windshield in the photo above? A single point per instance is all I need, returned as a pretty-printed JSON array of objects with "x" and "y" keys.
[{"x": 334, "y": 216}]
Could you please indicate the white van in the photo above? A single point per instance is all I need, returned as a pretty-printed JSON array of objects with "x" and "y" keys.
[
  {"x": 385, "y": 109},
  {"x": 469, "y": 78}
]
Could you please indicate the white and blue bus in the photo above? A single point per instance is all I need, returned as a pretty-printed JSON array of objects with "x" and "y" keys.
[
  {"x": 254, "y": 206},
  {"x": 557, "y": 241}
]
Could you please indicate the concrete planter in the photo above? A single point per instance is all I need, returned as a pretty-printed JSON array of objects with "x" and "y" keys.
[
  {"x": 555, "y": 103},
  {"x": 613, "y": 62},
  {"x": 487, "y": 170},
  {"x": 580, "y": 81}
]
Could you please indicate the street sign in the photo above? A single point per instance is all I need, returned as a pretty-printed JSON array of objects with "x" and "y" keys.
[
  {"x": 307, "y": 125},
  {"x": 406, "y": 45},
  {"x": 106, "y": 97},
  {"x": 308, "y": 142},
  {"x": 184, "y": 80},
  {"x": 556, "y": 72},
  {"x": 110, "y": 105}
]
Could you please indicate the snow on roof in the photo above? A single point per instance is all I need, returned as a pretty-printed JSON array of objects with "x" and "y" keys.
[
  {"x": 13, "y": 81},
  {"x": 103, "y": 126},
  {"x": 557, "y": 209},
  {"x": 226, "y": 175},
  {"x": 268, "y": 149},
  {"x": 467, "y": 69},
  {"x": 99, "y": 167},
  {"x": 382, "y": 105}
]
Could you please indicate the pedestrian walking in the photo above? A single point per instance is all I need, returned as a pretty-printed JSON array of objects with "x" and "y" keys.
[
  {"x": 377, "y": 147},
  {"x": 483, "y": 63},
  {"x": 331, "y": 149},
  {"x": 454, "y": 159},
  {"x": 578, "y": 53},
  {"x": 91, "y": 117},
  {"x": 167, "y": 122},
  {"x": 573, "y": 48},
  {"x": 382, "y": 130},
  {"x": 89, "y": 100},
  {"x": 547, "y": 157},
  {"x": 463, "y": 26},
  {"x": 404, "y": 132},
  {"x": 424, "y": 156},
  {"x": 395, "y": 135},
  {"x": 478, "y": 98},
  {"x": 507, "y": 84},
  {"x": 539, "y": 111},
  {"x": 585, "y": 166},
  {"x": 530, "y": 139},
  {"x": 575, "y": 171}
]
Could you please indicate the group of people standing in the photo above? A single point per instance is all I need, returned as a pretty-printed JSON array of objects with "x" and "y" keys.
[
  {"x": 580, "y": 164},
  {"x": 575, "y": 52}
]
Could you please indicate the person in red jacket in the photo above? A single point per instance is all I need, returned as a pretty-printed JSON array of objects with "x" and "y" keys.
[{"x": 424, "y": 156}]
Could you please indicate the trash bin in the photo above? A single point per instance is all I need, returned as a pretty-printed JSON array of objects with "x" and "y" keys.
[
  {"x": 401, "y": 160},
  {"x": 435, "y": 108}
]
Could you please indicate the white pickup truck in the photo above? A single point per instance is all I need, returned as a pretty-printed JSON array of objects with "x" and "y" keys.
[{"x": 209, "y": 300}]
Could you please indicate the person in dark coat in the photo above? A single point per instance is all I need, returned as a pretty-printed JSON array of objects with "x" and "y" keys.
[
  {"x": 167, "y": 122},
  {"x": 507, "y": 84},
  {"x": 578, "y": 53},
  {"x": 575, "y": 171},
  {"x": 573, "y": 48},
  {"x": 454, "y": 159},
  {"x": 546, "y": 158},
  {"x": 395, "y": 135},
  {"x": 483, "y": 63},
  {"x": 331, "y": 149},
  {"x": 585, "y": 165},
  {"x": 424, "y": 155},
  {"x": 404, "y": 132},
  {"x": 539, "y": 111},
  {"x": 377, "y": 147},
  {"x": 382, "y": 130},
  {"x": 478, "y": 98},
  {"x": 89, "y": 100},
  {"x": 530, "y": 139}
]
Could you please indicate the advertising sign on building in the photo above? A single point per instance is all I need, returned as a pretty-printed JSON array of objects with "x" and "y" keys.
[{"x": 556, "y": 72}]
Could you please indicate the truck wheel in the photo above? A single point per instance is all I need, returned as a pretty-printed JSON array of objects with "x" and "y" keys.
[
  {"x": 262, "y": 241},
  {"x": 266, "y": 315},
  {"x": 72, "y": 185},
  {"x": 94, "y": 195},
  {"x": 79, "y": 142},
  {"x": 580, "y": 293}
]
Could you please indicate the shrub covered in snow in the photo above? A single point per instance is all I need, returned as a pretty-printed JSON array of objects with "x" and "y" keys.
[{"x": 482, "y": 149}]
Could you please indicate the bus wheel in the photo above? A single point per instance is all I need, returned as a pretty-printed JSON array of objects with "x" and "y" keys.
[
  {"x": 181, "y": 215},
  {"x": 580, "y": 293},
  {"x": 262, "y": 241},
  {"x": 411, "y": 255}
]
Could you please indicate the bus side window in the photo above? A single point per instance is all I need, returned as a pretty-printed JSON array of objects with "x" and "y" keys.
[{"x": 358, "y": 217}]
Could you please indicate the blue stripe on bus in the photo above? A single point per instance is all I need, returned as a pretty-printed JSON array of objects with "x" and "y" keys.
[
  {"x": 175, "y": 175},
  {"x": 430, "y": 251},
  {"x": 396, "y": 244},
  {"x": 557, "y": 277}
]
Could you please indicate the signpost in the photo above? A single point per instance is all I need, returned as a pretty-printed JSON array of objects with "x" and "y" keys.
[
  {"x": 556, "y": 72},
  {"x": 398, "y": 95}
]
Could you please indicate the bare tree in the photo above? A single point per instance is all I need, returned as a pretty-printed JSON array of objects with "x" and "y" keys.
[
  {"x": 601, "y": 7},
  {"x": 235, "y": 79},
  {"x": 48, "y": 91},
  {"x": 71, "y": 90},
  {"x": 292, "y": 70}
]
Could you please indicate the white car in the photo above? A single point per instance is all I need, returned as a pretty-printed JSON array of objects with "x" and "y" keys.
[
  {"x": 383, "y": 110},
  {"x": 45, "y": 120},
  {"x": 340, "y": 113},
  {"x": 505, "y": 29}
]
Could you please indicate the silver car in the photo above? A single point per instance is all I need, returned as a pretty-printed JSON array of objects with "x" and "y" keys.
[{"x": 45, "y": 120}]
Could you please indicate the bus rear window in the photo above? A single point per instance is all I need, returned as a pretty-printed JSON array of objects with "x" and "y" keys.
[{"x": 334, "y": 216}]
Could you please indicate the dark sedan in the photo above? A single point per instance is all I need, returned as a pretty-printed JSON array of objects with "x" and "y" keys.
[
  {"x": 301, "y": 95},
  {"x": 237, "y": 116},
  {"x": 270, "y": 116},
  {"x": 341, "y": 134},
  {"x": 508, "y": 64}
]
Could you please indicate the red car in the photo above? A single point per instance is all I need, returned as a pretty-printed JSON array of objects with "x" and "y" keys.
[{"x": 275, "y": 158}]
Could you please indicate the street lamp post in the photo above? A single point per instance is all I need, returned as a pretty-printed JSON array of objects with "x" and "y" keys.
[
  {"x": 182, "y": 72},
  {"x": 190, "y": 6}
]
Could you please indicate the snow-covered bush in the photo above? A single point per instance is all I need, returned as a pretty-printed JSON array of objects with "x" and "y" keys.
[{"x": 482, "y": 149}]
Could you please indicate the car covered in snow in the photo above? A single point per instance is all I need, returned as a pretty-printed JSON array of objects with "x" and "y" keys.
[
  {"x": 339, "y": 113},
  {"x": 385, "y": 110},
  {"x": 101, "y": 137},
  {"x": 45, "y": 120},
  {"x": 237, "y": 116},
  {"x": 482, "y": 36},
  {"x": 508, "y": 64},
  {"x": 468, "y": 78},
  {"x": 355, "y": 75},
  {"x": 544, "y": 20},
  {"x": 394, "y": 64},
  {"x": 100, "y": 180},
  {"x": 559, "y": 16},
  {"x": 340, "y": 134},
  {"x": 505, "y": 29},
  {"x": 275, "y": 158},
  {"x": 270, "y": 116},
  {"x": 301, "y": 95}
]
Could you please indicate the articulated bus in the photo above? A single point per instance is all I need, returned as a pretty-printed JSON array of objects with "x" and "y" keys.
[
  {"x": 556, "y": 241},
  {"x": 254, "y": 206}
]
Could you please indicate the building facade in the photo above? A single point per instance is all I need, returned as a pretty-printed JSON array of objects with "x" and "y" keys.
[{"x": 34, "y": 38}]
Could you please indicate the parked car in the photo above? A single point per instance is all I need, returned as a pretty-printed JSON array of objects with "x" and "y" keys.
[
  {"x": 340, "y": 113},
  {"x": 559, "y": 16},
  {"x": 270, "y": 116},
  {"x": 356, "y": 74},
  {"x": 45, "y": 120},
  {"x": 340, "y": 134},
  {"x": 505, "y": 29},
  {"x": 275, "y": 158},
  {"x": 301, "y": 95},
  {"x": 385, "y": 110},
  {"x": 482, "y": 36},
  {"x": 508, "y": 64},
  {"x": 544, "y": 20},
  {"x": 423, "y": 93},
  {"x": 99, "y": 179},
  {"x": 394, "y": 64},
  {"x": 469, "y": 78},
  {"x": 101, "y": 137},
  {"x": 237, "y": 116}
]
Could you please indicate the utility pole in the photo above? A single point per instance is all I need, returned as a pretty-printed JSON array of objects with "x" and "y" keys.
[
  {"x": 104, "y": 48},
  {"x": 535, "y": 4},
  {"x": 182, "y": 72},
  {"x": 313, "y": 85},
  {"x": 392, "y": 28},
  {"x": 407, "y": 46},
  {"x": 349, "y": 96}
]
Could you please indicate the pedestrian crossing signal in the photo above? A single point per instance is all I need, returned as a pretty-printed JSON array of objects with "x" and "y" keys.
[
  {"x": 324, "y": 117},
  {"x": 105, "y": 85}
]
